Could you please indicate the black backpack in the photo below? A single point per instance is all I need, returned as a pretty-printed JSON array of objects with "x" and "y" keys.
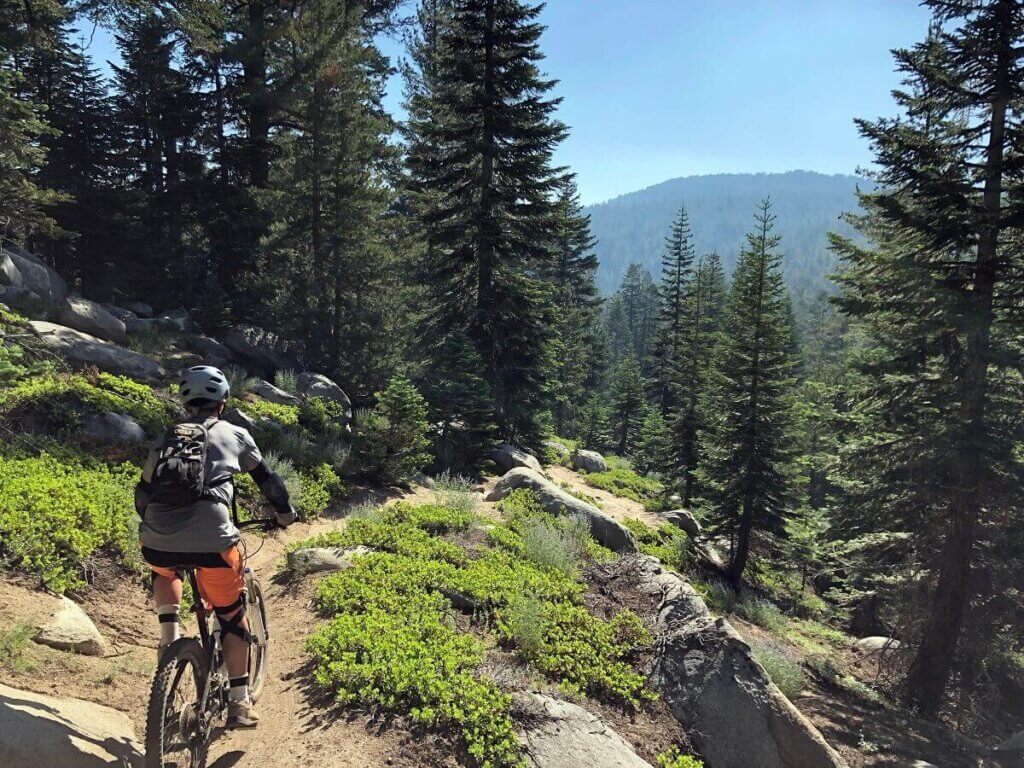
[{"x": 179, "y": 477}]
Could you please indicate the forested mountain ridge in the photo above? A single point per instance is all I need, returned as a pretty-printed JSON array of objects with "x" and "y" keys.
[{"x": 631, "y": 228}]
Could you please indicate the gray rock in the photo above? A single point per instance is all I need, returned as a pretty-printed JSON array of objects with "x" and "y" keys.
[
  {"x": 70, "y": 629},
  {"x": 261, "y": 349},
  {"x": 318, "y": 385},
  {"x": 558, "y": 734},
  {"x": 723, "y": 698},
  {"x": 423, "y": 480},
  {"x": 122, "y": 314},
  {"x": 137, "y": 326},
  {"x": 877, "y": 644},
  {"x": 40, "y": 731},
  {"x": 683, "y": 518},
  {"x": 239, "y": 418},
  {"x": 557, "y": 448},
  {"x": 24, "y": 300},
  {"x": 140, "y": 308},
  {"x": 509, "y": 457},
  {"x": 317, "y": 559},
  {"x": 555, "y": 501},
  {"x": 90, "y": 317},
  {"x": 81, "y": 349},
  {"x": 208, "y": 348},
  {"x": 20, "y": 268},
  {"x": 113, "y": 428},
  {"x": 268, "y": 391},
  {"x": 1013, "y": 744},
  {"x": 180, "y": 319},
  {"x": 588, "y": 461}
]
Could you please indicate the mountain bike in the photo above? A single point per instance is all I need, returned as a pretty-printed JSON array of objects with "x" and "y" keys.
[{"x": 189, "y": 696}]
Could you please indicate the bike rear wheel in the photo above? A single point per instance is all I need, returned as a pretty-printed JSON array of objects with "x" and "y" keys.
[
  {"x": 258, "y": 653},
  {"x": 177, "y": 734}
]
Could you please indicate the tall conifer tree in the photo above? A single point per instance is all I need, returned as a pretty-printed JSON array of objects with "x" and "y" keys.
[
  {"x": 676, "y": 274},
  {"x": 749, "y": 457},
  {"x": 939, "y": 296},
  {"x": 490, "y": 207}
]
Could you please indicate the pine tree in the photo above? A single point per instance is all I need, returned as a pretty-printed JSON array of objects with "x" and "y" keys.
[
  {"x": 328, "y": 256},
  {"x": 571, "y": 274},
  {"x": 628, "y": 406},
  {"x": 616, "y": 329},
  {"x": 640, "y": 303},
  {"x": 393, "y": 442},
  {"x": 23, "y": 201},
  {"x": 749, "y": 459},
  {"x": 676, "y": 274},
  {"x": 488, "y": 210},
  {"x": 653, "y": 443},
  {"x": 938, "y": 295},
  {"x": 693, "y": 373}
]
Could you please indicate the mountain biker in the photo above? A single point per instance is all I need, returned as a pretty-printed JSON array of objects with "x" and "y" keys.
[{"x": 193, "y": 528}]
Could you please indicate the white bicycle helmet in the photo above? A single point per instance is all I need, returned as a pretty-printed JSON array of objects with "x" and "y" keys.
[{"x": 203, "y": 382}]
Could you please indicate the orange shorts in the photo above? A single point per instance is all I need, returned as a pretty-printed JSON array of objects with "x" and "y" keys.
[{"x": 220, "y": 575}]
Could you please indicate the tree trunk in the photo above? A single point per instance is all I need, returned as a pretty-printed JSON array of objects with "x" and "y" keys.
[
  {"x": 738, "y": 563},
  {"x": 254, "y": 72},
  {"x": 930, "y": 671}
]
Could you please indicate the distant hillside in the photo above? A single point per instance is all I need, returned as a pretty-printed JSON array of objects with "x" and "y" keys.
[{"x": 632, "y": 228}]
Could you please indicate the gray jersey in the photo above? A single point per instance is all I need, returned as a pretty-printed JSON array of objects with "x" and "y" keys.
[{"x": 204, "y": 526}]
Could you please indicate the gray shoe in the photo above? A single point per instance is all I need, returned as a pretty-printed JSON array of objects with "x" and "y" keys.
[{"x": 242, "y": 714}]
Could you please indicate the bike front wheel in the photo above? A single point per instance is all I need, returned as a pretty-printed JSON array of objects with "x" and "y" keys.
[
  {"x": 260, "y": 647},
  {"x": 177, "y": 731}
]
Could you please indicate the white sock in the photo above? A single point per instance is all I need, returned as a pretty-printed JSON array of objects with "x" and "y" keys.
[
  {"x": 239, "y": 690},
  {"x": 170, "y": 629}
]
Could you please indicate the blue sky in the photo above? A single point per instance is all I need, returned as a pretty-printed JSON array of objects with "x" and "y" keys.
[{"x": 655, "y": 89}]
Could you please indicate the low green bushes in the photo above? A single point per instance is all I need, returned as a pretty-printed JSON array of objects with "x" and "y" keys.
[
  {"x": 287, "y": 415},
  {"x": 391, "y": 642},
  {"x": 673, "y": 758},
  {"x": 666, "y": 542},
  {"x": 404, "y": 655},
  {"x": 56, "y": 512},
  {"x": 61, "y": 399},
  {"x": 784, "y": 671},
  {"x": 626, "y": 483}
]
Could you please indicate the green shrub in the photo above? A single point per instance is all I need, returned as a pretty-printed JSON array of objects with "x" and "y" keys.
[
  {"x": 319, "y": 487},
  {"x": 432, "y": 518},
  {"x": 401, "y": 539},
  {"x": 239, "y": 380},
  {"x": 524, "y": 625},
  {"x": 287, "y": 415},
  {"x": 13, "y": 642},
  {"x": 322, "y": 416},
  {"x": 783, "y": 671},
  {"x": 673, "y": 758},
  {"x": 392, "y": 443},
  {"x": 720, "y": 597},
  {"x": 455, "y": 492},
  {"x": 61, "y": 398},
  {"x": 553, "y": 548},
  {"x": 763, "y": 613},
  {"x": 55, "y": 513},
  {"x": 522, "y": 511},
  {"x": 625, "y": 483},
  {"x": 405, "y": 656},
  {"x": 666, "y": 542},
  {"x": 585, "y": 653},
  {"x": 287, "y": 380}
]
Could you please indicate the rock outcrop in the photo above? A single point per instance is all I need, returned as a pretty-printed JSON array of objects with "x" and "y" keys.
[
  {"x": 317, "y": 385},
  {"x": 111, "y": 428},
  {"x": 38, "y": 731},
  {"x": 70, "y": 629},
  {"x": 877, "y": 644},
  {"x": 90, "y": 317},
  {"x": 509, "y": 457},
  {"x": 557, "y": 448},
  {"x": 140, "y": 308},
  {"x": 684, "y": 519},
  {"x": 209, "y": 349},
  {"x": 588, "y": 461},
  {"x": 704, "y": 671},
  {"x": 316, "y": 559},
  {"x": 1013, "y": 745},
  {"x": 81, "y": 349},
  {"x": 269, "y": 392},
  {"x": 554, "y": 500},
  {"x": 36, "y": 281},
  {"x": 260, "y": 349},
  {"x": 558, "y": 734}
]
